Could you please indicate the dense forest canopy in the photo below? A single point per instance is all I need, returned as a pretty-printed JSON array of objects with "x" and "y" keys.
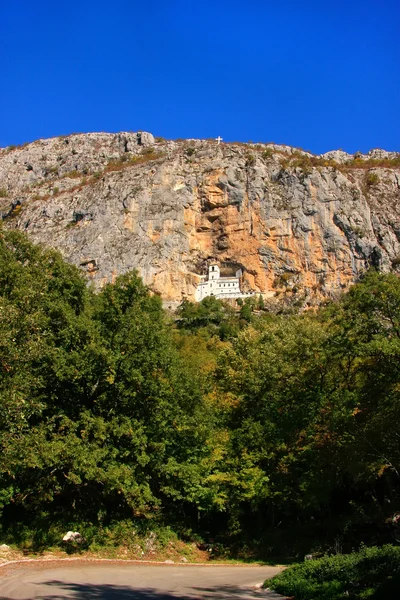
[{"x": 237, "y": 425}]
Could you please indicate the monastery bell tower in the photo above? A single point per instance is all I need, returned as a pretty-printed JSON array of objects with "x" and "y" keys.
[{"x": 213, "y": 272}]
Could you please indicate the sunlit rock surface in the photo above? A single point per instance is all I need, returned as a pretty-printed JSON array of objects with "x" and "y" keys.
[{"x": 295, "y": 224}]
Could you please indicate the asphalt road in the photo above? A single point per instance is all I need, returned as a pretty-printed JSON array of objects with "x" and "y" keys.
[{"x": 127, "y": 581}]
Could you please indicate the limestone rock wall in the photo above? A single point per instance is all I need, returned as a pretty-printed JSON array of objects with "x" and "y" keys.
[{"x": 295, "y": 224}]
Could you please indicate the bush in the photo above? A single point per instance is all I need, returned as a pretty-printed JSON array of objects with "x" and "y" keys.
[
  {"x": 146, "y": 155},
  {"x": 250, "y": 160},
  {"x": 267, "y": 154},
  {"x": 371, "y": 179},
  {"x": 73, "y": 174},
  {"x": 396, "y": 261},
  {"x": 147, "y": 151},
  {"x": 372, "y": 573}
]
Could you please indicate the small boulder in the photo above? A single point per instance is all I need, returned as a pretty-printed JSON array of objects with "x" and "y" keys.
[
  {"x": 183, "y": 559},
  {"x": 4, "y": 548},
  {"x": 145, "y": 139},
  {"x": 73, "y": 536},
  {"x": 169, "y": 562},
  {"x": 338, "y": 156},
  {"x": 379, "y": 154},
  {"x": 396, "y": 519}
]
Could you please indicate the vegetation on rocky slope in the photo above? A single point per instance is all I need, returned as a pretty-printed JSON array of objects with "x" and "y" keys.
[{"x": 271, "y": 435}]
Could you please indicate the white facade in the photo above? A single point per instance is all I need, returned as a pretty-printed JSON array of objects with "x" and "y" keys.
[{"x": 220, "y": 287}]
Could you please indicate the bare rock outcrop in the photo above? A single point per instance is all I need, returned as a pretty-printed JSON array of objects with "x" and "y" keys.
[{"x": 293, "y": 222}]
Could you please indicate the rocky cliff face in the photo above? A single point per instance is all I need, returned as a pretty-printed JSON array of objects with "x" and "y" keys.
[{"x": 297, "y": 225}]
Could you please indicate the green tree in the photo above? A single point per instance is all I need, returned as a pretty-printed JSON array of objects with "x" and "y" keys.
[
  {"x": 98, "y": 413},
  {"x": 211, "y": 314},
  {"x": 313, "y": 412}
]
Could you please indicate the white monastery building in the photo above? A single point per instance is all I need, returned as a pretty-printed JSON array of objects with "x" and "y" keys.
[{"x": 220, "y": 287}]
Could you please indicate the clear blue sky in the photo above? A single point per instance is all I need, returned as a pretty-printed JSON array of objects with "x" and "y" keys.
[{"x": 320, "y": 75}]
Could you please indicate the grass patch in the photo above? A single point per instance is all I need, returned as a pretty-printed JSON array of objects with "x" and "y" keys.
[
  {"x": 73, "y": 175},
  {"x": 306, "y": 163},
  {"x": 16, "y": 147},
  {"x": 118, "y": 165},
  {"x": 371, "y": 179},
  {"x": 370, "y": 574}
]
